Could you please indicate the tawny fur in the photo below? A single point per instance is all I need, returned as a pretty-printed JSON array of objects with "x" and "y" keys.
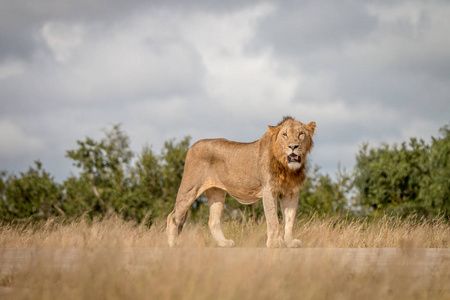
[{"x": 249, "y": 172}]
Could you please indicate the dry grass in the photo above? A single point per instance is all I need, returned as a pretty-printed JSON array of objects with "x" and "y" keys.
[
  {"x": 314, "y": 231},
  {"x": 113, "y": 259}
]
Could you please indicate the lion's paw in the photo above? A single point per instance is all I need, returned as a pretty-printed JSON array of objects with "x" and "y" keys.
[
  {"x": 226, "y": 243},
  {"x": 275, "y": 243},
  {"x": 172, "y": 244},
  {"x": 294, "y": 244}
]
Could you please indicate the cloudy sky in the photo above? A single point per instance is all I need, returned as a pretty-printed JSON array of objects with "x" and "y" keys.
[{"x": 365, "y": 71}]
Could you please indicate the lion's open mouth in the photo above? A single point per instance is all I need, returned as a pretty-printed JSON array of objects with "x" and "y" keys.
[{"x": 293, "y": 158}]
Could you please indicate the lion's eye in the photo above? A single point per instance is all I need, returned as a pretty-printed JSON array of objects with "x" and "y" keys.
[
  {"x": 301, "y": 135},
  {"x": 285, "y": 135}
]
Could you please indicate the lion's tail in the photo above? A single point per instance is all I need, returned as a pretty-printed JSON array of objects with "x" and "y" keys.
[{"x": 182, "y": 221}]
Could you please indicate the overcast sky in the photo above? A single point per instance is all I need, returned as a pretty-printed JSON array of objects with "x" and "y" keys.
[{"x": 364, "y": 71}]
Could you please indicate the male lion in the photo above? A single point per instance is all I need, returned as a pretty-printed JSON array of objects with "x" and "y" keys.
[{"x": 270, "y": 168}]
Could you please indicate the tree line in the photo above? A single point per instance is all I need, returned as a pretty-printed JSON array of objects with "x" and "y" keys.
[{"x": 413, "y": 177}]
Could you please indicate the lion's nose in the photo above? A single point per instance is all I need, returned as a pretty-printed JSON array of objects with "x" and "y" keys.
[{"x": 293, "y": 147}]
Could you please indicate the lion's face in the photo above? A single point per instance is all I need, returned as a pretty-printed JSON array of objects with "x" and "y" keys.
[{"x": 294, "y": 141}]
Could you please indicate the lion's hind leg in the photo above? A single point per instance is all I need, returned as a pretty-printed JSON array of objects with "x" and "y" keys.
[
  {"x": 177, "y": 217},
  {"x": 172, "y": 230},
  {"x": 174, "y": 227},
  {"x": 216, "y": 200}
]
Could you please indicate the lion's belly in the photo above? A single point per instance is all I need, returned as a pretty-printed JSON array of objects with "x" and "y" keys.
[
  {"x": 246, "y": 190},
  {"x": 245, "y": 194},
  {"x": 246, "y": 201},
  {"x": 246, "y": 197}
]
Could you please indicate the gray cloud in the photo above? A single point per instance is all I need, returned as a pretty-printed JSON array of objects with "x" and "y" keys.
[
  {"x": 394, "y": 55},
  {"x": 19, "y": 20},
  {"x": 364, "y": 71},
  {"x": 300, "y": 28}
]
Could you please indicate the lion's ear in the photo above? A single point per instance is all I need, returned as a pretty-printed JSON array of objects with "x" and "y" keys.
[
  {"x": 311, "y": 127},
  {"x": 272, "y": 129}
]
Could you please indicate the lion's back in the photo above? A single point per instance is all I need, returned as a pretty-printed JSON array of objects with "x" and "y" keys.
[
  {"x": 222, "y": 155},
  {"x": 218, "y": 148}
]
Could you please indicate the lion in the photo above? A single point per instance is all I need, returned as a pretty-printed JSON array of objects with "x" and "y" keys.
[{"x": 270, "y": 168}]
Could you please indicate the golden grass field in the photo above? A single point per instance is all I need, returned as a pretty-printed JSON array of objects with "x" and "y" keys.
[{"x": 112, "y": 259}]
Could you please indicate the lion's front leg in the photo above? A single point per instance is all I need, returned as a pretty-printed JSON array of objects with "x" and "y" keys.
[
  {"x": 270, "y": 210},
  {"x": 289, "y": 205},
  {"x": 216, "y": 200}
]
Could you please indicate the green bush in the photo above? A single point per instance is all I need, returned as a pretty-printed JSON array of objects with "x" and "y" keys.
[
  {"x": 413, "y": 177},
  {"x": 33, "y": 194}
]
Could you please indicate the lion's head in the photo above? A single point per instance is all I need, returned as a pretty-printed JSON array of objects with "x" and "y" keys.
[{"x": 292, "y": 141}]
